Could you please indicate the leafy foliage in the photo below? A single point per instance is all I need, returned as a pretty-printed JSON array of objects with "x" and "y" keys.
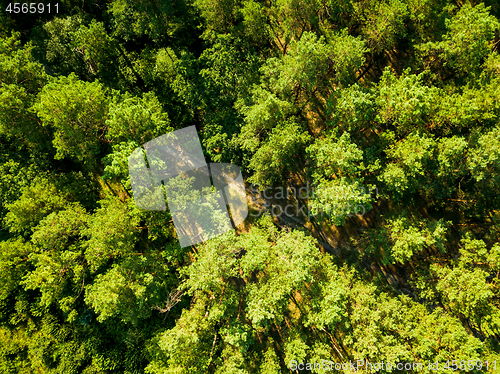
[{"x": 385, "y": 112}]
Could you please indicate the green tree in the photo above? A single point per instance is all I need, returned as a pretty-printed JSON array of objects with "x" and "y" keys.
[
  {"x": 77, "y": 111},
  {"x": 468, "y": 40}
]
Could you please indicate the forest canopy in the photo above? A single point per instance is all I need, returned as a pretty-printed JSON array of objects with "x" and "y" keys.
[{"x": 385, "y": 112}]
